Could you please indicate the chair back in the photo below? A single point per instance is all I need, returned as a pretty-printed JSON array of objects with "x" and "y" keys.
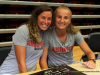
[
  {"x": 4, "y": 53},
  {"x": 94, "y": 41}
]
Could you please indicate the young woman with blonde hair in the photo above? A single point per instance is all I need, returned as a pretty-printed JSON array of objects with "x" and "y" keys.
[{"x": 59, "y": 42}]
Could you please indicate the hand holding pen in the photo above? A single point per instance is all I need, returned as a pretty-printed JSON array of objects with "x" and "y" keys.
[
  {"x": 88, "y": 64},
  {"x": 82, "y": 63}
]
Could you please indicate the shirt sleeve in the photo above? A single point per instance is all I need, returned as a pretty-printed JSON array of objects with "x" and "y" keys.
[
  {"x": 79, "y": 38},
  {"x": 21, "y": 36},
  {"x": 46, "y": 39}
]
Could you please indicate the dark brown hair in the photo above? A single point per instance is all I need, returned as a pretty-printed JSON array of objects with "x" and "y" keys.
[{"x": 34, "y": 30}]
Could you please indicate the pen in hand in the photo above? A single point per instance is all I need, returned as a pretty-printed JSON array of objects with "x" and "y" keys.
[{"x": 82, "y": 63}]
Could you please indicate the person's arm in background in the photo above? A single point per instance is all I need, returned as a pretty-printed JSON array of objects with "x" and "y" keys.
[
  {"x": 89, "y": 53},
  {"x": 20, "y": 52},
  {"x": 43, "y": 59}
]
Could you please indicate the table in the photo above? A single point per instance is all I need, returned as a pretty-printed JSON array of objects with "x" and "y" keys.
[
  {"x": 87, "y": 71},
  {"x": 78, "y": 67}
]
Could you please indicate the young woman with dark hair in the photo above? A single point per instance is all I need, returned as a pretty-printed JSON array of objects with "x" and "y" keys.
[{"x": 28, "y": 43}]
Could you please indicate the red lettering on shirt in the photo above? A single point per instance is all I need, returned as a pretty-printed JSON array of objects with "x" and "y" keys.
[
  {"x": 62, "y": 49},
  {"x": 53, "y": 49},
  {"x": 57, "y": 49},
  {"x": 68, "y": 49},
  {"x": 36, "y": 45},
  {"x": 72, "y": 47}
]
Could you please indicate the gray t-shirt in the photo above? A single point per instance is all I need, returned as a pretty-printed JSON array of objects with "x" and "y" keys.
[
  {"x": 59, "y": 52},
  {"x": 33, "y": 52}
]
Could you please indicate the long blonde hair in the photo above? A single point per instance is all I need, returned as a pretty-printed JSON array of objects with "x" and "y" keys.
[
  {"x": 71, "y": 29},
  {"x": 34, "y": 30}
]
